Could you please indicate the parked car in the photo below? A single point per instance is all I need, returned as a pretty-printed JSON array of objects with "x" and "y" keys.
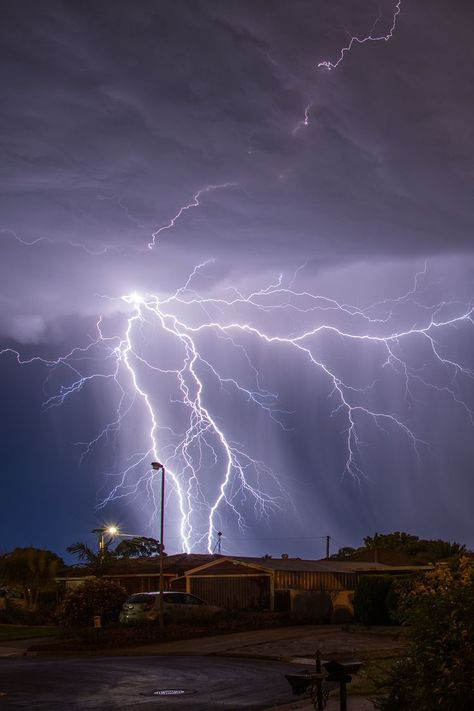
[
  {"x": 11, "y": 597},
  {"x": 145, "y": 607}
]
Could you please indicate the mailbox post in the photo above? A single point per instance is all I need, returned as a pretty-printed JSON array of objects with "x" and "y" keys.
[{"x": 339, "y": 672}]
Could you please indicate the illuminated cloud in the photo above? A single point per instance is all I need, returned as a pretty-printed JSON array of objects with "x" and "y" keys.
[{"x": 211, "y": 134}]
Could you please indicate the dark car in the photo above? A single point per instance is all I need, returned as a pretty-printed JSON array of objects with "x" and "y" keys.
[{"x": 145, "y": 607}]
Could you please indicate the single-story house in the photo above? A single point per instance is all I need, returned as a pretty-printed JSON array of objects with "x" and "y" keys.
[
  {"x": 136, "y": 574},
  {"x": 282, "y": 583}
]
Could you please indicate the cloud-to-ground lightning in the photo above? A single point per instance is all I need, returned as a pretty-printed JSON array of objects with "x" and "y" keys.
[
  {"x": 371, "y": 37},
  {"x": 184, "y": 208},
  {"x": 168, "y": 366}
]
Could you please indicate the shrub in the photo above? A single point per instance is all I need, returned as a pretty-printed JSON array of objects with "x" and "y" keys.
[
  {"x": 96, "y": 596},
  {"x": 370, "y": 599},
  {"x": 401, "y": 586},
  {"x": 439, "y": 614}
]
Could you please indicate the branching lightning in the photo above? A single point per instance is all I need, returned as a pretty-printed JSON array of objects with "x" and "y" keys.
[
  {"x": 195, "y": 203},
  {"x": 48, "y": 240},
  {"x": 211, "y": 473},
  {"x": 178, "y": 363},
  {"x": 327, "y": 64},
  {"x": 371, "y": 37},
  {"x": 138, "y": 223}
]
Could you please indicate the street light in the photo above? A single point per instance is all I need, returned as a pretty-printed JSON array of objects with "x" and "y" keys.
[
  {"x": 156, "y": 466},
  {"x": 109, "y": 531}
]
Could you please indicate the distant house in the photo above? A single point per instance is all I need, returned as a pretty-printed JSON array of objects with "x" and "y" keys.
[
  {"x": 282, "y": 583},
  {"x": 324, "y": 588},
  {"x": 136, "y": 574}
]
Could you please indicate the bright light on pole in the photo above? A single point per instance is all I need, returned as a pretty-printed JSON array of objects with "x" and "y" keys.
[
  {"x": 102, "y": 532},
  {"x": 156, "y": 466}
]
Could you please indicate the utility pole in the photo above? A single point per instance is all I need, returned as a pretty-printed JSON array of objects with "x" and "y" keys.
[{"x": 328, "y": 538}]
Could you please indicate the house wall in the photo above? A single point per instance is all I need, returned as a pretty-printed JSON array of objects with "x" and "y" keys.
[
  {"x": 233, "y": 591},
  {"x": 239, "y": 586},
  {"x": 302, "y": 580},
  {"x": 336, "y": 606}
]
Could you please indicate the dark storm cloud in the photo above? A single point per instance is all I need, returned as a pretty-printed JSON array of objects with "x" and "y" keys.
[
  {"x": 144, "y": 104},
  {"x": 115, "y": 113}
]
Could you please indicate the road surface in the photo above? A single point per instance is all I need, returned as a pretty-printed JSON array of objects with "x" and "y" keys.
[{"x": 103, "y": 683}]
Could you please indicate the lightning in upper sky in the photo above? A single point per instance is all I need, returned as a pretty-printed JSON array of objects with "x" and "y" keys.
[
  {"x": 179, "y": 362},
  {"x": 186, "y": 372},
  {"x": 327, "y": 64},
  {"x": 195, "y": 203},
  {"x": 304, "y": 121},
  {"x": 371, "y": 37}
]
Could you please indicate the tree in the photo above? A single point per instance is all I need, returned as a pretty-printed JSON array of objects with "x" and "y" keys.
[
  {"x": 138, "y": 547},
  {"x": 97, "y": 562},
  {"x": 425, "y": 550},
  {"x": 30, "y": 569},
  {"x": 437, "y": 672},
  {"x": 344, "y": 552},
  {"x": 396, "y": 541}
]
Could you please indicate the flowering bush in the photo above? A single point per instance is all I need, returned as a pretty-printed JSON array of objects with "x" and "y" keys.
[
  {"x": 438, "y": 672},
  {"x": 96, "y": 596}
]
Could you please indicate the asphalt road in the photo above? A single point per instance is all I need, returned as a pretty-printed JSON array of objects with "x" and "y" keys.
[{"x": 208, "y": 683}]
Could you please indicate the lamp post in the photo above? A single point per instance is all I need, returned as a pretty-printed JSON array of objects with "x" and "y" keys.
[
  {"x": 156, "y": 466},
  {"x": 110, "y": 531}
]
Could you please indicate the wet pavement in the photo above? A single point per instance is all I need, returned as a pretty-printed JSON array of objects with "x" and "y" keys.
[
  {"x": 243, "y": 670},
  {"x": 166, "y": 683}
]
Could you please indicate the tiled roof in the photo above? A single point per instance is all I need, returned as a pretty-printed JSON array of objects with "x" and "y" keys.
[
  {"x": 175, "y": 564},
  {"x": 324, "y": 566},
  {"x": 181, "y": 563}
]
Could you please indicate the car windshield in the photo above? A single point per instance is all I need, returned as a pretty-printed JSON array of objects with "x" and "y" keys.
[{"x": 141, "y": 598}]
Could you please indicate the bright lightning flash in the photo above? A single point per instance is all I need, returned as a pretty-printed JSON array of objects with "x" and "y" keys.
[{"x": 178, "y": 386}]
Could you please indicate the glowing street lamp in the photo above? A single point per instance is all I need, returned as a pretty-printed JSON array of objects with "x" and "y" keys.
[
  {"x": 156, "y": 466},
  {"x": 103, "y": 532}
]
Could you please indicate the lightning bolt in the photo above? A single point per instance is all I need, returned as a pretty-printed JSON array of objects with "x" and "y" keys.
[
  {"x": 180, "y": 388},
  {"x": 194, "y": 203},
  {"x": 48, "y": 240},
  {"x": 304, "y": 121},
  {"x": 115, "y": 198},
  {"x": 362, "y": 40}
]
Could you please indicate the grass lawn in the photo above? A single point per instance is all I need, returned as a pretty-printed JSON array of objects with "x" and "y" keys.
[
  {"x": 10, "y": 632},
  {"x": 372, "y": 677}
]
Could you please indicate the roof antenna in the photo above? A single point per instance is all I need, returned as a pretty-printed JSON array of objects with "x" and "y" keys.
[{"x": 218, "y": 543}]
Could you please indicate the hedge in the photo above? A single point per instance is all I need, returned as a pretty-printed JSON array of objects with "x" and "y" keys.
[{"x": 370, "y": 599}]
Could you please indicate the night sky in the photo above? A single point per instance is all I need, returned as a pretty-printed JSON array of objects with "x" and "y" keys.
[{"x": 341, "y": 199}]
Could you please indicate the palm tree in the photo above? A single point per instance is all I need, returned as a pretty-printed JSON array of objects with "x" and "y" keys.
[{"x": 97, "y": 562}]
